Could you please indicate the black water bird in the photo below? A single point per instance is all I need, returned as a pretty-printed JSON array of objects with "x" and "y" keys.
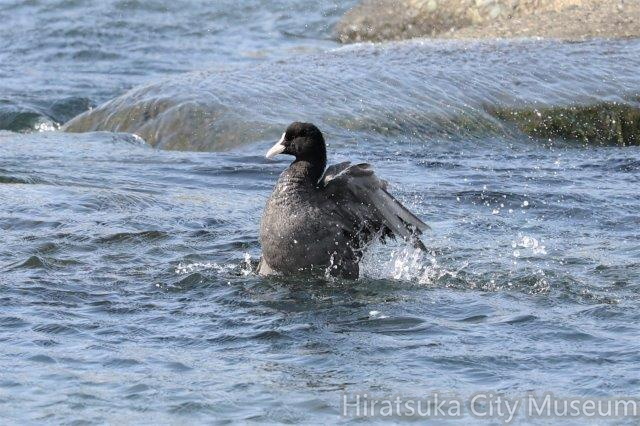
[{"x": 323, "y": 220}]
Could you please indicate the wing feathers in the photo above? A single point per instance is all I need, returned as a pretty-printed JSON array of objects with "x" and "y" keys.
[
  {"x": 364, "y": 196},
  {"x": 404, "y": 213}
]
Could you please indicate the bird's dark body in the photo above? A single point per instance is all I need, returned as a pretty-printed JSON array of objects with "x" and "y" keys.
[
  {"x": 302, "y": 229},
  {"x": 319, "y": 220}
]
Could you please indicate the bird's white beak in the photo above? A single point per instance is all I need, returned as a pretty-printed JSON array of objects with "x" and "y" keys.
[{"x": 278, "y": 148}]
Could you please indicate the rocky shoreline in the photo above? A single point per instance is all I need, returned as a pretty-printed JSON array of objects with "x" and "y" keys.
[{"x": 380, "y": 20}]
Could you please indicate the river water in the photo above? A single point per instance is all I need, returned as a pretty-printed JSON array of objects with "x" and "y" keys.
[{"x": 126, "y": 270}]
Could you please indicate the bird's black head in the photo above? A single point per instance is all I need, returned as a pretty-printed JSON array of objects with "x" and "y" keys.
[{"x": 304, "y": 141}]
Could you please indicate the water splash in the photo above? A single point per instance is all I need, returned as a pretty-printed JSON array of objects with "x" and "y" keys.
[
  {"x": 529, "y": 245},
  {"x": 190, "y": 268},
  {"x": 46, "y": 126},
  {"x": 246, "y": 267},
  {"x": 243, "y": 268},
  {"x": 403, "y": 263},
  {"x": 377, "y": 315}
]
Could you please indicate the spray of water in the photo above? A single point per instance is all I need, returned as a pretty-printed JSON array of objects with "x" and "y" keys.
[{"x": 399, "y": 261}]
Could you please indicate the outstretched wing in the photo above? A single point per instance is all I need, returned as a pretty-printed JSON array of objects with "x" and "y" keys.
[{"x": 363, "y": 197}]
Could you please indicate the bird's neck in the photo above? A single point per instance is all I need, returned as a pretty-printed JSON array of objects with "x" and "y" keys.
[{"x": 305, "y": 172}]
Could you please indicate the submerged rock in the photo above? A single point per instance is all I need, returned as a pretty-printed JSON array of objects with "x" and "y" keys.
[
  {"x": 39, "y": 115},
  {"x": 409, "y": 91},
  {"x": 24, "y": 120},
  {"x": 176, "y": 122},
  {"x": 600, "y": 124},
  {"x": 378, "y": 20}
]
